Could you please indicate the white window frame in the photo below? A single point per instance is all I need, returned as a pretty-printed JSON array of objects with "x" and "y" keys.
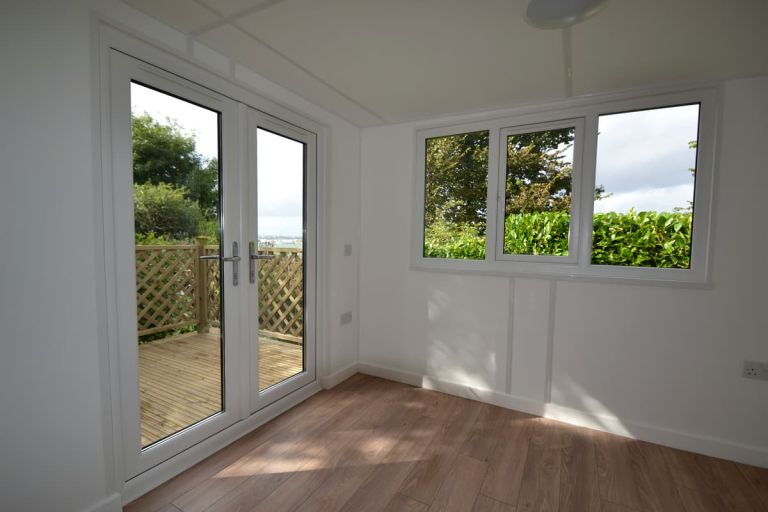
[
  {"x": 578, "y": 264},
  {"x": 575, "y": 222}
]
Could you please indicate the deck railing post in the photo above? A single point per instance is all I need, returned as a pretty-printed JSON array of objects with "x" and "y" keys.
[{"x": 201, "y": 285}]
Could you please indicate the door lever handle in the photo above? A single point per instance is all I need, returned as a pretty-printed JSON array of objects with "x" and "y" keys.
[
  {"x": 217, "y": 257},
  {"x": 234, "y": 259},
  {"x": 252, "y": 257}
]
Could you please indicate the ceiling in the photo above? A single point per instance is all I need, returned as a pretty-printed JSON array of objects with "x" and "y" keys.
[{"x": 376, "y": 62}]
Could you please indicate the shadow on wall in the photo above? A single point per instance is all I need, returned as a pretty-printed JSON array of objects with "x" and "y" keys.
[
  {"x": 457, "y": 330},
  {"x": 457, "y": 321},
  {"x": 464, "y": 343},
  {"x": 591, "y": 412}
]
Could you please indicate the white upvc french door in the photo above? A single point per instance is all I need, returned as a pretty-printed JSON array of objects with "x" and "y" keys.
[
  {"x": 282, "y": 192},
  {"x": 214, "y": 298}
]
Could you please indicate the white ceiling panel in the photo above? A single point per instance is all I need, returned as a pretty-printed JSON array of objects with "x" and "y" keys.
[
  {"x": 408, "y": 59},
  {"x": 230, "y": 7},
  {"x": 184, "y": 15},
  {"x": 379, "y": 61},
  {"x": 238, "y": 45},
  {"x": 632, "y": 44}
]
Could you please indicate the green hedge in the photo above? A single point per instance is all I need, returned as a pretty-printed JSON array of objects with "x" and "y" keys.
[
  {"x": 641, "y": 239},
  {"x": 164, "y": 211}
]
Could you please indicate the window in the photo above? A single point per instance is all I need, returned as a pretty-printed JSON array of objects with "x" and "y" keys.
[
  {"x": 616, "y": 190},
  {"x": 538, "y": 186},
  {"x": 455, "y": 196},
  {"x": 646, "y": 168}
]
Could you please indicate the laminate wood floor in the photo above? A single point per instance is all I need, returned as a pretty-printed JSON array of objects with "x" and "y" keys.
[{"x": 373, "y": 445}]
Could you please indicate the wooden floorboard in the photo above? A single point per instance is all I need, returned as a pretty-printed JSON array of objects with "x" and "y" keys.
[
  {"x": 180, "y": 379},
  {"x": 375, "y": 445}
]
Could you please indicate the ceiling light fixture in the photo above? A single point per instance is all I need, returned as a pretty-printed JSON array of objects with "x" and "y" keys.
[{"x": 561, "y": 13}]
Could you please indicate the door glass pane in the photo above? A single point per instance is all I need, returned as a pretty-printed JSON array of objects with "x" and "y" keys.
[
  {"x": 177, "y": 222},
  {"x": 280, "y": 184}
]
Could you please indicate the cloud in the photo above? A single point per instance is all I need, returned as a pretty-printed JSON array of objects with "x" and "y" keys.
[
  {"x": 280, "y": 169},
  {"x": 193, "y": 120},
  {"x": 281, "y": 226},
  {"x": 646, "y": 149},
  {"x": 664, "y": 199}
]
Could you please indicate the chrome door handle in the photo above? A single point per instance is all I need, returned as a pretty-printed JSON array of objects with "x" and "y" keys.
[
  {"x": 217, "y": 257},
  {"x": 252, "y": 257},
  {"x": 235, "y": 259}
]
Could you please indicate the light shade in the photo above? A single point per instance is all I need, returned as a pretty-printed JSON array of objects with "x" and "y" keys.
[{"x": 561, "y": 13}]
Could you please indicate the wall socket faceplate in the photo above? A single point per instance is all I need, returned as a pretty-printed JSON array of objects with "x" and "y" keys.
[{"x": 755, "y": 370}]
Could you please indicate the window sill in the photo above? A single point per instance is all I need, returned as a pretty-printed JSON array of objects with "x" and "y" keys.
[{"x": 678, "y": 278}]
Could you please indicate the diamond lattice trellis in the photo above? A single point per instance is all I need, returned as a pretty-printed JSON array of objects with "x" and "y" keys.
[
  {"x": 165, "y": 286},
  {"x": 166, "y": 279}
]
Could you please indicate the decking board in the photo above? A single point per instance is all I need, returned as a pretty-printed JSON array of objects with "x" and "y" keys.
[{"x": 180, "y": 379}]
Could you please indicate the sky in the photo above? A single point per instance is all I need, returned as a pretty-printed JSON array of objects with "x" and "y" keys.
[
  {"x": 643, "y": 159},
  {"x": 280, "y": 161},
  {"x": 280, "y": 181}
]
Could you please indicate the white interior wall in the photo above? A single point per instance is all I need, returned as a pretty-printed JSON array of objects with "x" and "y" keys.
[
  {"x": 50, "y": 427},
  {"x": 659, "y": 363},
  {"x": 53, "y": 436}
]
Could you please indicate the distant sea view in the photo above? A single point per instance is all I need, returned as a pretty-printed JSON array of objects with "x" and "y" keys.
[{"x": 283, "y": 242}]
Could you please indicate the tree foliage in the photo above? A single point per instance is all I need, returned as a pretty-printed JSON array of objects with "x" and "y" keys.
[
  {"x": 642, "y": 239},
  {"x": 163, "y": 211},
  {"x": 162, "y": 153},
  {"x": 538, "y": 175},
  {"x": 544, "y": 233},
  {"x": 453, "y": 241},
  {"x": 456, "y": 177},
  {"x": 638, "y": 239}
]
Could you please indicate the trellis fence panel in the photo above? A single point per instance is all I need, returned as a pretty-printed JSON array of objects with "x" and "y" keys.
[{"x": 177, "y": 290}]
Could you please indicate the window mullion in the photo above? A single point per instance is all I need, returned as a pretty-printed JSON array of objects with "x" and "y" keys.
[
  {"x": 495, "y": 197},
  {"x": 587, "y": 202}
]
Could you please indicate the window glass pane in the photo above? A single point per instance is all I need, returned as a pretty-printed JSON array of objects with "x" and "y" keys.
[
  {"x": 537, "y": 205},
  {"x": 645, "y": 174},
  {"x": 177, "y": 219},
  {"x": 455, "y": 196}
]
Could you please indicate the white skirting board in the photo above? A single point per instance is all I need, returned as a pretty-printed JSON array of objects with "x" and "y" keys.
[
  {"x": 714, "y": 447},
  {"x": 338, "y": 376},
  {"x": 112, "y": 503}
]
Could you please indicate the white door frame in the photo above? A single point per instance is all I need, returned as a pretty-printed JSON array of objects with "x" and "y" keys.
[
  {"x": 124, "y": 70},
  {"x": 108, "y": 38}
]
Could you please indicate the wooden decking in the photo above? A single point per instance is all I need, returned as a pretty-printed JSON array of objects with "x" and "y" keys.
[
  {"x": 180, "y": 379},
  {"x": 370, "y": 445}
]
